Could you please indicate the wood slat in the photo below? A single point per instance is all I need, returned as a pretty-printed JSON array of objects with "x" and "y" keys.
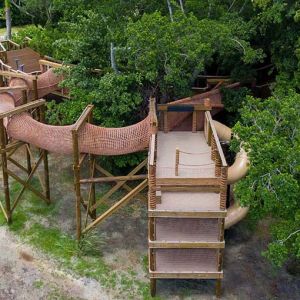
[
  {"x": 188, "y": 182},
  {"x": 209, "y": 275},
  {"x": 186, "y": 245},
  {"x": 220, "y": 150},
  {"x": 187, "y": 214}
]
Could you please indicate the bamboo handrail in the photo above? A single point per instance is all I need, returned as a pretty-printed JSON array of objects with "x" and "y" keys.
[
  {"x": 152, "y": 150},
  {"x": 22, "y": 108},
  {"x": 113, "y": 178},
  {"x": 17, "y": 75},
  {"x": 84, "y": 116},
  {"x": 6, "y": 89},
  {"x": 216, "y": 139},
  {"x": 51, "y": 64}
]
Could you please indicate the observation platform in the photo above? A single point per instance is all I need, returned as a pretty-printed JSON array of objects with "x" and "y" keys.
[{"x": 187, "y": 202}]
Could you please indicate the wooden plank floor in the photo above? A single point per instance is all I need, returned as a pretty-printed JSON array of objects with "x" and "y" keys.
[
  {"x": 26, "y": 56},
  {"x": 188, "y": 142}
]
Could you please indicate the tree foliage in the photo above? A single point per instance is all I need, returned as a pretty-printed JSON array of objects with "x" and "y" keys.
[{"x": 271, "y": 131}]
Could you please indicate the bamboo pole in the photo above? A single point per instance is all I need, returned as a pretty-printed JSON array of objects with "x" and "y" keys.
[
  {"x": 4, "y": 171},
  {"x": 166, "y": 125},
  {"x": 120, "y": 183},
  {"x": 194, "y": 121},
  {"x": 76, "y": 169},
  {"x": 45, "y": 158},
  {"x": 113, "y": 178},
  {"x": 28, "y": 158},
  {"x": 117, "y": 205},
  {"x": 26, "y": 183},
  {"x": 152, "y": 187},
  {"x": 218, "y": 164},
  {"x": 92, "y": 161},
  {"x": 223, "y": 196}
]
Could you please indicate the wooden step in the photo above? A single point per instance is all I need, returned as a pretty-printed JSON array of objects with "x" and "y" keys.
[
  {"x": 186, "y": 233},
  {"x": 189, "y": 201},
  {"x": 188, "y": 204},
  {"x": 186, "y": 263}
]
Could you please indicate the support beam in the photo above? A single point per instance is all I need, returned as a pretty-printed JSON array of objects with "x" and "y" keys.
[{"x": 117, "y": 205}]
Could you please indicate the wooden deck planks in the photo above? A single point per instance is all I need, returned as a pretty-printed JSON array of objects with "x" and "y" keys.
[
  {"x": 187, "y": 142},
  {"x": 27, "y": 57}
]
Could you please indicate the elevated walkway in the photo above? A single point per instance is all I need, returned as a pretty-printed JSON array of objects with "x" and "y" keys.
[{"x": 187, "y": 202}]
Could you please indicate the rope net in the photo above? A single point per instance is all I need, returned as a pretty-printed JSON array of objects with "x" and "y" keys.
[{"x": 92, "y": 139}]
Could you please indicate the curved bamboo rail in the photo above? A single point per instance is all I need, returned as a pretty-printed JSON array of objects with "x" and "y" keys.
[{"x": 237, "y": 171}]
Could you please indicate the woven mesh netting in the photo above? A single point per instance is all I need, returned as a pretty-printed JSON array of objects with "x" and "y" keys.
[{"x": 92, "y": 139}]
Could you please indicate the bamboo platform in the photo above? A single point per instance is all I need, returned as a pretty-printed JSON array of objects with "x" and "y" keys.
[
  {"x": 187, "y": 142},
  {"x": 26, "y": 57},
  {"x": 187, "y": 203}
]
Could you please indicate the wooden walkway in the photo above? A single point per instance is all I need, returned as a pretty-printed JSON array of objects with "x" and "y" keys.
[
  {"x": 186, "y": 222},
  {"x": 24, "y": 57}
]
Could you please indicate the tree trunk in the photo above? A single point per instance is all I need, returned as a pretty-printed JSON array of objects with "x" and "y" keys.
[
  {"x": 181, "y": 5},
  {"x": 170, "y": 10},
  {"x": 112, "y": 58},
  {"x": 8, "y": 19}
]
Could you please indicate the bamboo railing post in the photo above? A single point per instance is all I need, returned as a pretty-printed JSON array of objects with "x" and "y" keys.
[
  {"x": 35, "y": 88},
  {"x": 166, "y": 125},
  {"x": 224, "y": 174},
  {"x": 213, "y": 148},
  {"x": 152, "y": 283},
  {"x": 194, "y": 121},
  {"x": 223, "y": 197},
  {"x": 28, "y": 158},
  {"x": 91, "y": 159},
  {"x": 4, "y": 170},
  {"x": 177, "y": 162},
  {"x": 35, "y": 94},
  {"x": 152, "y": 188},
  {"x": 45, "y": 157},
  {"x": 218, "y": 164},
  {"x": 2, "y": 81},
  {"x": 76, "y": 168}
]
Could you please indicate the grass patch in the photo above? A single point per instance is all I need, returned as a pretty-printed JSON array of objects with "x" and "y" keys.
[
  {"x": 38, "y": 284},
  {"x": 83, "y": 259}
]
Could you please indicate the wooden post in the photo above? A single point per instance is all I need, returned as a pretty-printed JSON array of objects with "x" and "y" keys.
[
  {"x": 35, "y": 94},
  {"x": 2, "y": 81},
  {"x": 92, "y": 171},
  {"x": 76, "y": 168},
  {"x": 224, "y": 171},
  {"x": 218, "y": 288},
  {"x": 28, "y": 158},
  {"x": 152, "y": 286},
  {"x": 194, "y": 122},
  {"x": 4, "y": 171},
  {"x": 45, "y": 157},
  {"x": 35, "y": 88},
  {"x": 213, "y": 147},
  {"x": 166, "y": 125},
  {"x": 218, "y": 164},
  {"x": 152, "y": 190},
  {"x": 177, "y": 162}
]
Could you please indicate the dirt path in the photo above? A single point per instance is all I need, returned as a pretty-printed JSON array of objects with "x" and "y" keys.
[{"x": 26, "y": 274}]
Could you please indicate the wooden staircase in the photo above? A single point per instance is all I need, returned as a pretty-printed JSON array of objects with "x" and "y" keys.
[{"x": 187, "y": 205}]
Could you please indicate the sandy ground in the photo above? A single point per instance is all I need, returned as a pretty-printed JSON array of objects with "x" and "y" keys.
[{"x": 27, "y": 275}]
